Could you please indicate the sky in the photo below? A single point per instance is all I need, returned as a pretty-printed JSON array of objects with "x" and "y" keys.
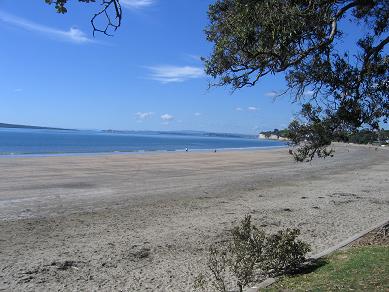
[{"x": 147, "y": 76}]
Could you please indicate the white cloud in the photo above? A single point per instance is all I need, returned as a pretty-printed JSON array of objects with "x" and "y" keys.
[
  {"x": 136, "y": 4},
  {"x": 252, "y": 109},
  {"x": 143, "y": 115},
  {"x": 73, "y": 34},
  {"x": 18, "y": 90},
  {"x": 167, "y": 118},
  {"x": 197, "y": 114},
  {"x": 309, "y": 92},
  {"x": 239, "y": 109},
  {"x": 194, "y": 57},
  {"x": 168, "y": 74}
]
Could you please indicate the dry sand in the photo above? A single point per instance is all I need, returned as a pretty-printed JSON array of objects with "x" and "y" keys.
[{"x": 139, "y": 222}]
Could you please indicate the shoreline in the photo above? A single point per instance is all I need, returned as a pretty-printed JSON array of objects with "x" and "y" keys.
[
  {"x": 145, "y": 222},
  {"x": 81, "y": 143},
  {"x": 136, "y": 152},
  {"x": 147, "y": 152}
]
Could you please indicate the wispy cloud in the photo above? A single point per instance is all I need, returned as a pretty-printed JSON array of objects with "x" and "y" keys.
[
  {"x": 272, "y": 93},
  {"x": 252, "y": 109},
  {"x": 194, "y": 57},
  {"x": 168, "y": 74},
  {"x": 239, "y": 109},
  {"x": 143, "y": 115},
  {"x": 197, "y": 114},
  {"x": 136, "y": 4},
  {"x": 73, "y": 34},
  {"x": 167, "y": 118},
  {"x": 18, "y": 90}
]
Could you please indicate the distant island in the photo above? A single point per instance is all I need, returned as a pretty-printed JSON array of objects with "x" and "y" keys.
[
  {"x": 14, "y": 126},
  {"x": 183, "y": 133}
]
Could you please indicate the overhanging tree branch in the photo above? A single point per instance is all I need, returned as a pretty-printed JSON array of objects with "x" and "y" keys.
[
  {"x": 107, "y": 5},
  {"x": 253, "y": 39}
]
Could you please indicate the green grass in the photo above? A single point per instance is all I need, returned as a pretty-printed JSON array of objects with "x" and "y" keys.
[{"x": 356, "y": 269}]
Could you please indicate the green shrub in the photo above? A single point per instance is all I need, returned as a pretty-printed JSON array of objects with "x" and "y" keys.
[
  {"x": 252, "y": 255},
  {"x": 245, "y": 251},
  {"x": 284, "y": 253}
]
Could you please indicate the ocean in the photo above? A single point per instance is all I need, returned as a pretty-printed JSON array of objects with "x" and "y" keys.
[{"x": 59, "y": 142}]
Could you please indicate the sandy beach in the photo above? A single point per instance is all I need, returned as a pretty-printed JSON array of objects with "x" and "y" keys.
[{"x": 144, "y": 222}]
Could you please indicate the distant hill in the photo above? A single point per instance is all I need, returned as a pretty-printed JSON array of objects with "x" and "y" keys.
[{"x": 13, "y": 126}]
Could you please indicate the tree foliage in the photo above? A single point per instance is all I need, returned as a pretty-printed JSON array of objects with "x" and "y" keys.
[
  {"x": 339, "y": 89},
  {"x": 111, "y": 12}
]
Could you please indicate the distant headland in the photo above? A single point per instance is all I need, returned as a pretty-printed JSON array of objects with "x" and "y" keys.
[
  {"x": 14, "y": 126},
  {"x": 142, "y": 132},
  {"x": 275, "y": 135}
]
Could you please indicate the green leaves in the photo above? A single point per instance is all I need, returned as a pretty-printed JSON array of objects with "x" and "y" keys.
[
  {"x": 59, "y": 5},
  {"x": 255, "y": 38}
]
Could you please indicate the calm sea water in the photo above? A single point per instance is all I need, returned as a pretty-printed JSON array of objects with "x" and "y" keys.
[{"x": 27, "y": 141}]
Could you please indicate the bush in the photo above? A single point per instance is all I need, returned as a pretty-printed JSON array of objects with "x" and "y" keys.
[
  {"x": 252, "y": 255},
  {"x": 283, "y": 252}
]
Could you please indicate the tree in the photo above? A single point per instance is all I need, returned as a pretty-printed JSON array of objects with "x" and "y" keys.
[
  {"x": 340, "y": 89},
  {"x": 111, "y": 11}
]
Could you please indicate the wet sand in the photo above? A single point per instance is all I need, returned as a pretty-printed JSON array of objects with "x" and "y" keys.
[{"x": 144, "y": 222}]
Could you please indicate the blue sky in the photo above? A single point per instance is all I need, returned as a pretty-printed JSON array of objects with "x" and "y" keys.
[{"x": 148, "y": 76}]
